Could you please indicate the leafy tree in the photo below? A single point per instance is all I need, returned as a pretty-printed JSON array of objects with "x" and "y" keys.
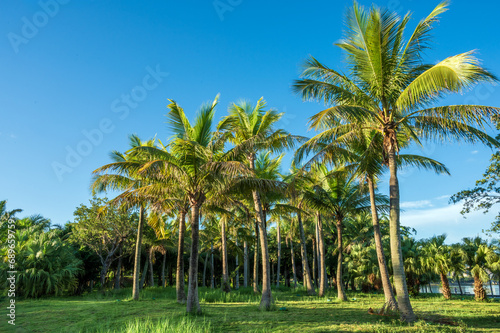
[
  {"x": 486, "y": 193},
  {"x": 102, "y": 229},
  {"x": 389, "y": 92}
]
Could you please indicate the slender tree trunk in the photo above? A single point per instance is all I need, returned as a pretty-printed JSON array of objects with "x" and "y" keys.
[
  {"x": 390, "y": 300},
  {"x": 321, "y": 246},
  {"x": 179, "y": 275},
  {"x": 225, "y": 274},
  {"x": 294, "y": 269},
  {"x": 256, "y": 260},
  {"x": 144, "y": 272},
  {"x": 314, "y": 269},
  {"x": 245, "y": 264},
  {"x": 267, "y": 298},
  {"x": 305, "y": 264},
  {"x": 237, "y": 275},
  {"x": 460, "y": 286},
  {"x": 118, "y": 273},
  {"x": 403, "y": 298},
  {"x": 340, "y": 286},
  {"x": 279, "y": 255},
  {"x": 163, "y": 264},
  {"x": 193, "y": 304},
  {"x": 479, "y": 292},
  {"x": 204, "y": 284},
  {"x": 318, "y": 257},
  {"x": 491, "y": 288},
  {"x": 212, "y": 271},
  {"x": 445, "y": 285},
  {"x": 170, "y": 274},
  {"x": 137, "y": 259},
  {"x": 151, "y": 271}
]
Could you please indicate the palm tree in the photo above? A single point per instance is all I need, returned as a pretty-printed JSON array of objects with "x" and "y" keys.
[
  {"x": 476, "y": 254},
  {"x": 251, "y": 128},
  {"x": 437, "y": 258},
  {"x": 196, "y": 163},
  {"x": 125, "y": 179},
  {"x": 390, "y": 91}
]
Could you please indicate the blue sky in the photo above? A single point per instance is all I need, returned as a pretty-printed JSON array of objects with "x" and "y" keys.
[{"x": 77, "y": 77}]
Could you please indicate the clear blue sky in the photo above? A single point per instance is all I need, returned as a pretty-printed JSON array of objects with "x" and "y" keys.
[{"x": 67, "y": 70}]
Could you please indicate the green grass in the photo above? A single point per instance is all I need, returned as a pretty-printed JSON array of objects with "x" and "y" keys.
[{"x": 157, "y": 311}]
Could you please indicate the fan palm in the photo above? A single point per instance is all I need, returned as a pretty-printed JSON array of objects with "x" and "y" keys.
[{"x": 389, "y": 90}]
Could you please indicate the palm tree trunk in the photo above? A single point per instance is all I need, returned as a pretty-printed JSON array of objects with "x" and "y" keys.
[
  {"x": 479, "y": 293},
  {"x": 163, "y": 264},
  {"x": 278, "y": 235},
  {"x": 119, "y": 268},
  {"x": 245, "y": 264},
  {"x": 491, "y": 288},
  {"x": 204, "y": 283},
  {"x": 446, "y": 286},
  {"x": 314, "y": 269},
  {"x": 256, "y": 260},
  {"x": 305, "y": 264},
  {"x": 137, "y": 259},
  {"x": 144, "y": 272},
  {"x": 390, "y": 300},
  {"x": 192, "y": 303},
  {"x": 340, "y": 286},
  {"x": 318, "y": 258},
  {"x": 179, "y": 275},
  {"x": 151, "y": 272},
  {"x": 212, "y": 271},
  {"x": 225, "y": 275},
  {"x": 460, "y": 286},
  {"x": 267, "y": 298},
  {"x": 237, "y": 275},
  {"x": 321, "y": 246},
  {"x": 293, "y": 264},
  {"x": 403, "y": 298}
]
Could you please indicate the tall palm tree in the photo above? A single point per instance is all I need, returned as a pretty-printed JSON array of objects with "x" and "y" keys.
[
  {"x": 195, "y": 161},
  {"x": 121, "y": 176},
  {"x": 339, "y": 197},
  {"x": 252, "y": 129},
  {"x": 390, "y": 90}
]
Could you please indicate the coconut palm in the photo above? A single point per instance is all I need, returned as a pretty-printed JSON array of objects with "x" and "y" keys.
[
  {"x": 195, "y": 162},
  {"x": 390, "y": 90},
  {"x": 121, "y": 176},
  {"x": 252, "y": 129},
  {"x": 338, "y": 196}
]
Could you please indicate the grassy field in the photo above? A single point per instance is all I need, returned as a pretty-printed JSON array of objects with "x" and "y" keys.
[{"x": 238, "y": 311}]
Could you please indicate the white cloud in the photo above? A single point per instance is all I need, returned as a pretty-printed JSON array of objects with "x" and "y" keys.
[
  {"x": 474, "y": 152},
  {"x": 447, "y": 219},
  {"x": 416, "y": 204},
  {"x": 442, "y": 197}
]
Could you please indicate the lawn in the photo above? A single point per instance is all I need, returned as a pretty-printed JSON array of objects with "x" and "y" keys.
[{"x": 238, "y": 311}]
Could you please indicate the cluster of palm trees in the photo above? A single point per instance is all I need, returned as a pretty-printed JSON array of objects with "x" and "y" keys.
[{"x": 226, "y": 171}]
